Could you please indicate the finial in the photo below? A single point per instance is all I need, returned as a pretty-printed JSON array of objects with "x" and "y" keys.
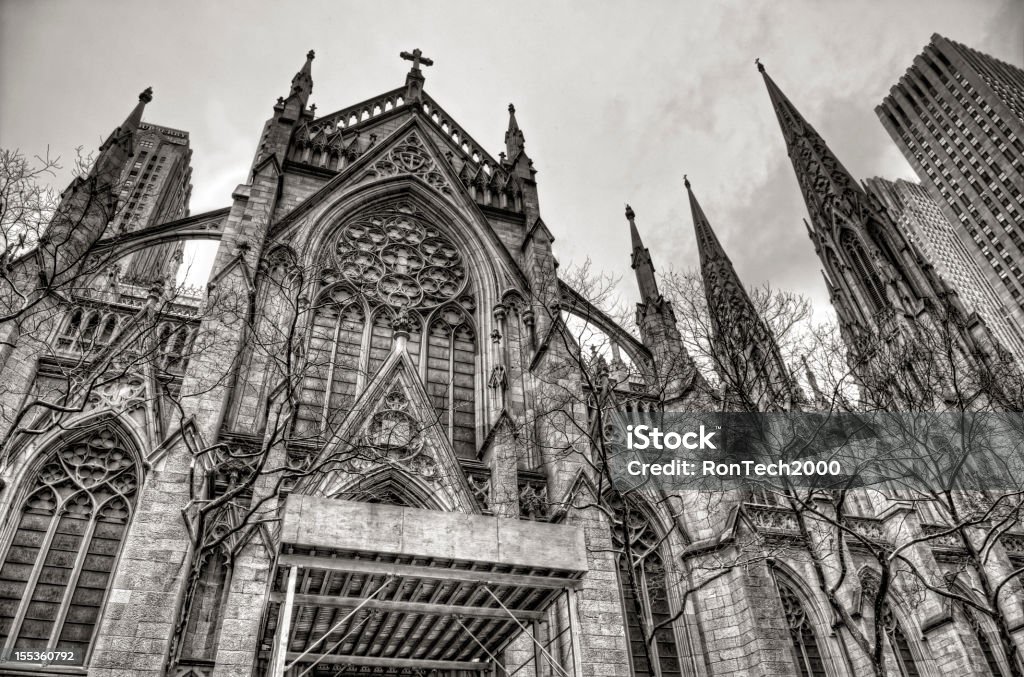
[
  {"x": 511, "y": 109},
  {"x": 417, "y": 58},
  {"x": 760, "y": 66},
  {"x": 310, "y": 55},
  {"x": 147, "y": 95},
  {"x": 686, "y": 181},
  {"x": 629, "y": 214}
]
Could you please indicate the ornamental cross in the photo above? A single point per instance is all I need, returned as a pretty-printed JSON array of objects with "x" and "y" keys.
[{"x": 417, "y": 58}]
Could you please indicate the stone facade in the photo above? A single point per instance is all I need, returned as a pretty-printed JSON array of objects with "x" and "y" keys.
[{"x": 385, "y": 324}]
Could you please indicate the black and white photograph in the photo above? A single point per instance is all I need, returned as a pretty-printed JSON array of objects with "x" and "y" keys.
[{"x": 674, "y": 338}]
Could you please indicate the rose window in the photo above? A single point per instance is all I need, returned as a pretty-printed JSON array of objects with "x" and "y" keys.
[{"x": 396, "y": 257}]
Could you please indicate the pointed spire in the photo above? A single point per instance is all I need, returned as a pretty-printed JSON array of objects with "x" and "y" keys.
[
  {"x": 716, "y": 269},
  {"x": 641, "y": 262},
  {"x": 708, "y": 246},
  {"x": 119, "y": 145},
  {"x": 515, "y": 142},
  {"x": 737, "y": 327},
  {"x": 302, "y": 84},
  {"x": 823, "y": 179},
  {"x": 812, "y": 382}
]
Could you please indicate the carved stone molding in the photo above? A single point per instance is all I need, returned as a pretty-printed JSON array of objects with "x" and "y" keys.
[
  {"x": 410, "y": 157},
  {"x": 396, "y": 256}
]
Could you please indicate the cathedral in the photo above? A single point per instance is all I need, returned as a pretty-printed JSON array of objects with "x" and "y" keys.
[{"x": 374, "y": 444}]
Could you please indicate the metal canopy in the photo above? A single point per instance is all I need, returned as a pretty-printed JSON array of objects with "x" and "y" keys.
[{"x": 393, "y": 590}]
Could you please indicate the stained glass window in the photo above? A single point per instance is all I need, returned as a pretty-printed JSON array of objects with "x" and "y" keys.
[{"x": 59, "y": 564}]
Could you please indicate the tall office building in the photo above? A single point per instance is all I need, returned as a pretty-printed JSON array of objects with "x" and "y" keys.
[
  {"x": 958, "y": 117},
  {"x": 156, "y": 186},
  {"x": 922, "y": 221}
]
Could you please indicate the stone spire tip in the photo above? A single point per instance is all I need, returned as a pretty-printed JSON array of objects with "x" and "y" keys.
[
  {"x": 310, "y": 55},
  {"x": 630, "y": 215},
  {"x": 686, "y": 181},
  {"x": 147, "y": 95},
  {"x": 760, "y": 66}
]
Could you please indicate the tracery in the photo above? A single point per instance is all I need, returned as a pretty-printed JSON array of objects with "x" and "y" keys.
[{"x": 58, "y": 566}]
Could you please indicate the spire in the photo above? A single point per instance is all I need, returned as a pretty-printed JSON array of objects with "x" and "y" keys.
[
  {"x": 641, "y": 262},
  {"x": 824, "y": 181},
  {"x": 812, "y": 381},
  {"x": 710, "y": 249},
  {"x": 515, "y": 142},
  {"x": 717, "y": 272},
  {"x": 748, "y": 357},
  {"x": 88, "y": 204},
  {"x": 119, "y": 146},
  {"x": 302, "y": 87}
]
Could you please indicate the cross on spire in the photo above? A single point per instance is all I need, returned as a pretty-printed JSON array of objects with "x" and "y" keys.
[{"x": 417, "y": 58}]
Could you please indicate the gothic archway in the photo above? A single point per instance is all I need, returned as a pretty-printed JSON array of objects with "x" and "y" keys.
[
  {"x": 808, "y": 654},
  {"x": 394, "y": 265},
  {"x": 641, "y": 564},
  {"x": 70, "y": 526}
]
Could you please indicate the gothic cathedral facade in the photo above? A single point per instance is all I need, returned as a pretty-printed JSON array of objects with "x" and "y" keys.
[{"x": 373, "y": 444}]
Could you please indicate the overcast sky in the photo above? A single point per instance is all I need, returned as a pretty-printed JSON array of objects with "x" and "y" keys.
[{"x": 617, "y": 99}]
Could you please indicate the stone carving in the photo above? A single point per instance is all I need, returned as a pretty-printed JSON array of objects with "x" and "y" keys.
[
  {"x": 394, "y": 436},
  {"x": 124, "y": 395},
  {"x": 871, "y": 529},
  {"x": 772, "y": 519},
  {"x": 397, "y": 257},
  {"x": 409, "y": 157},
  {"x": 99, "y": 466},
  {"x": 480, "y": 487},
  {"x": 632, "y": 527},
  {"x": 1014, "y": 545},
  {"x": 948, "y": 541},
  {"x": 796, "y": 618},
  {"x": 499, "y": 378},
  {"x": 533, "y": 499}
]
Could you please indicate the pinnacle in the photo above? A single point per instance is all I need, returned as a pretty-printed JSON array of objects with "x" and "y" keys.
[
  {"x": 630, "y": 215},
  {"x": 147, "y": 95}
]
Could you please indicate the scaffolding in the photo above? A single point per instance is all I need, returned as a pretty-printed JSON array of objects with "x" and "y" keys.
[{"x": 396, "y": 590}]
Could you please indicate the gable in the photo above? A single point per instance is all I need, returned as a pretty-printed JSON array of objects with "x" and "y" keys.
[
  {"x": 322, "y": 148},
  {"x": 407, "y": 164},
  {"x": 392, "y": 441}
]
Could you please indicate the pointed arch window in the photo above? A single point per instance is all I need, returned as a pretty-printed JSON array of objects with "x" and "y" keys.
[
  {"x": 864, "y": 269},
  {"x": 899, "y": 643},
  {"x": 332, "y": 370},
  {"x": 398, "y": 263},
  {"x": 70, "y": 527},
  {"x": 450, "y": 377},
  {"x": 806, "y": 649},
  {"x": 988, "y": 650},
  {"x": 643, "y": 586}
]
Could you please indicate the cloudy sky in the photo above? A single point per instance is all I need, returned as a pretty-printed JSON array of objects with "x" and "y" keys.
[{"x": 617, "y": 99}]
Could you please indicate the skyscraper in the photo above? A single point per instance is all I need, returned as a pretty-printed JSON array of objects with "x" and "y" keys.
[
  {"x": 922, "y": 221},
  {"x": 958, "y": 116},
  {"x": 156, "y": 186}
]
